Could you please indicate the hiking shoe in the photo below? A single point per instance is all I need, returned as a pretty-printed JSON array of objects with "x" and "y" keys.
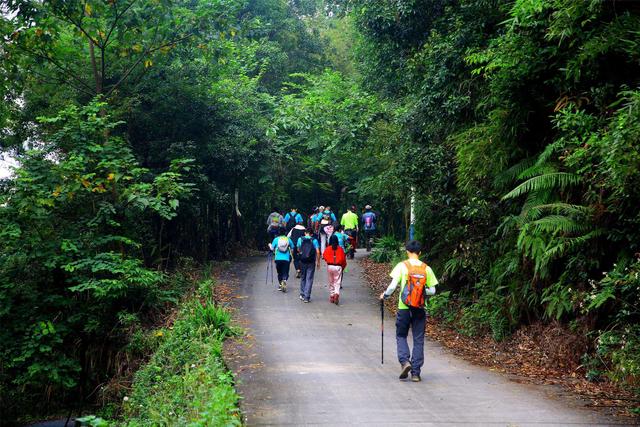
[
  {"x": 284, "y": 286},
  {"x": 301, "y": 298},
  {"x": 336, "y": 299},
  {"x": 298, "y": 274},
  {"x": 416, "y": 378},
  {"x": 280, "y": 286},
  {"x": 306, "y": 301},
  {"x": 404, "y": 373}
]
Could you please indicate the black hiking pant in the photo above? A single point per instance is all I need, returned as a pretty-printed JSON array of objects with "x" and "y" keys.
[
  {"x": 368, "y": 238},
  {"x": 296, "y": 259},
  {"x": 282, "y": 267}
]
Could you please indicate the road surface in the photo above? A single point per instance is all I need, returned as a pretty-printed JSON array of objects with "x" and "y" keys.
[{"x": 319, "y": 364}]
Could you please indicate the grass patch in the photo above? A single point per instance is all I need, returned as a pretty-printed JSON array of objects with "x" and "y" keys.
[{"x": 186, "y": 382}]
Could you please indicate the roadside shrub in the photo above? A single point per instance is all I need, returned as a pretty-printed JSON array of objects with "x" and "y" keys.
[
  {"x": 441, "y": 306},
  {"x": 386, "y": 249},
  {"x": 186, "y": 382},
  {"x": 488, "y": 313}
]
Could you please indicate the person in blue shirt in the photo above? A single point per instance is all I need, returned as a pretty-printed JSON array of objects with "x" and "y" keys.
[
  {"x": 282, "y": 247},
  {"x": 292, "y": 218},
  {"x": 309, "y": 255},
  {"x": 333, "y": 216},
  {"x": 369, "y": 220},
  {"x": 326, "y": 229},
  {"x": 342, "y": 237},
  {"x": 295, "y": 234}
]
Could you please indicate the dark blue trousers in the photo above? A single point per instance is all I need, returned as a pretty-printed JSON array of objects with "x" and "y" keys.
[
  {"x": 414, "y": 318},
  {"x": 307, "y": 271}
]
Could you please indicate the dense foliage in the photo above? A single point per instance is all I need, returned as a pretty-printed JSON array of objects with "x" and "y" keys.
[
  {"x": 151, "y": 131},
  {"x": 141, "y": 133},
  {"x": 524, "y": 118}
]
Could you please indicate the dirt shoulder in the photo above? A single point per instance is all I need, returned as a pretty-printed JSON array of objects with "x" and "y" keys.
[{"x": 538, "y": 354}]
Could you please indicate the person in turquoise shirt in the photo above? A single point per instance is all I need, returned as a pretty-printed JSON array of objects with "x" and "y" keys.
[
  {"x": 292, "y": 218},
  {"x": 309, "y": 254},
  {"x": 282, "y": 247},
  {"x": 342, "y": 238}
]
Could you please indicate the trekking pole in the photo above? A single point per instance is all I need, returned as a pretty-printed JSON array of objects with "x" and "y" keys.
[
  {"x": 382, "y": 331},
  {"x": 266, "y": 278},
  {"x": 271, "y": 264}
]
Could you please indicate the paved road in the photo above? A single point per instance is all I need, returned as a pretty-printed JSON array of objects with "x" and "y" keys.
[{"x": 319, "y": 364}]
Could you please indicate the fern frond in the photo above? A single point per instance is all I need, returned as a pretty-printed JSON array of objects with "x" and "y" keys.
[
  {"x": 537, "y": 198},
  {"x": 510, "y": 175},
  {"x": 453, "y": 266},
  {"x": 546, "y": 154},
  {"x": 509, "y": 224},
  {"x": 556, "y": 224},
  {"x": 571, "y": 244},
  {"x": 559, "y": 208},
  {"x": 537, "y": 169},
  {"x": 547, "y": 181},
  {"x": 531, "y": 245}
]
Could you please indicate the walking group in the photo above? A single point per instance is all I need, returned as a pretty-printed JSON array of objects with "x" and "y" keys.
[
  {"x": 319, "y": 237},
  {"x": 324, "y": 238}
]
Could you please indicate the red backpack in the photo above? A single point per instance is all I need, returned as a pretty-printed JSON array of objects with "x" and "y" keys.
[{"x": 415, "y": 291}]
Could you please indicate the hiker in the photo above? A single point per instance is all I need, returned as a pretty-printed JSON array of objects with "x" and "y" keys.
[
  {"x": 326, "y": 227},
  {"x": 316, "y": 222},
  {"x": 331, "y": 214},
  {"x": 342, "y": 237},
  {"x": 336, "y": 261},
  {"x": 294, "y": 234},
  {"x": 309, "y": 253},
  {"x": 349, "y": 221},
  {"x": 311, "y": 221},
  {"x": 282, "y": 247},
  {"x": 416, "y": 280},
  {"x": 369, "y": 220},
  {"x": 275, "y": 222},
  {"x": 292, "y": 218}
]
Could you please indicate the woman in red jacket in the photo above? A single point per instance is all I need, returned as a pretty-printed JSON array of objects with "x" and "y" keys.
[{"x": 336, "y": 263}]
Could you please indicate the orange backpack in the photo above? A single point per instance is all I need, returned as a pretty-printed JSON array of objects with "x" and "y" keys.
[{"x": 415, "y": 290}]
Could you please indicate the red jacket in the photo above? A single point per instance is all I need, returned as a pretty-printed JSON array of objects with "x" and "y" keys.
[{"x": 336, "y": 257}]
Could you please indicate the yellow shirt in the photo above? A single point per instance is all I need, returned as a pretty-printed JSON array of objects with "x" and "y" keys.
[{"x": 349, "y": 221}]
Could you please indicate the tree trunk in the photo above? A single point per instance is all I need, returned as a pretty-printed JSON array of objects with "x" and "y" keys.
[{"x": 94, "y": 65}]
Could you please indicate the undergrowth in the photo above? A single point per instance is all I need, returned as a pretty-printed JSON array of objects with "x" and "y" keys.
[{"x": 185, "y": 382}]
